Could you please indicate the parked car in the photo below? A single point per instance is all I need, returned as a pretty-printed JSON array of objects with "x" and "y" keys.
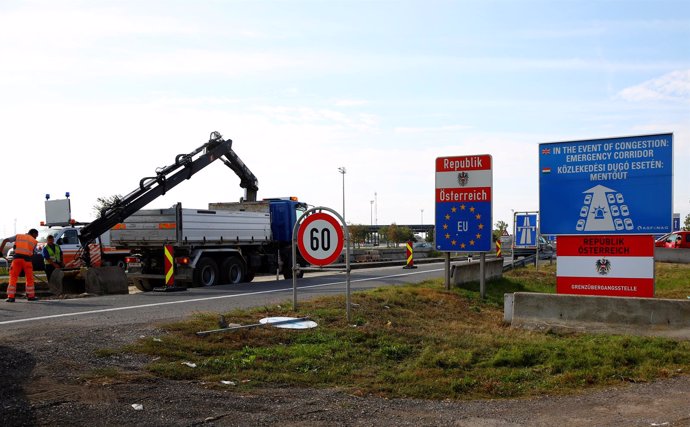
[
  {"x": 546, "y": 250},
  {"x": 36, "y": 260},
  {"x": 675, "y": 240}
]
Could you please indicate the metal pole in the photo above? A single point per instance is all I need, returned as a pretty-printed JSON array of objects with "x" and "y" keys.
[
  {"x": 348, "y": 301},
  {"x": 446, "y": 255},
  {"x": 376, "y": 209},
  {"x": 294, "y": 269},
  {"x": 371, "y": 212},
  {"x": 482, "y": 271},
  {"x": 342, "y": 170},
  {"x": 512, "y": 241}
]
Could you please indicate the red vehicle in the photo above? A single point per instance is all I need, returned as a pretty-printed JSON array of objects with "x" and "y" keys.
[{"x": 675, "y": 240}]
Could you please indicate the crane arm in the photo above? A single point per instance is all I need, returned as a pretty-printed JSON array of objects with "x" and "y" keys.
[{"x": 168, "y": 177}]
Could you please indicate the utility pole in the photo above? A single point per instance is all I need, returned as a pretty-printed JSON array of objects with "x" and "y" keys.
[
  {"x": 422, "y": 216},
  {"x": 342, "y": 170},
  {"x": 376, "y": 209},
  {"x": 371, "y": 214}
]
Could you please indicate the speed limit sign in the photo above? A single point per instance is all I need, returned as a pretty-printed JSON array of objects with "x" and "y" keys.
[{"x": 320, "y": 239}]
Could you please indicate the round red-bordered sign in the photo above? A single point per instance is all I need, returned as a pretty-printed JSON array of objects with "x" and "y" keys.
[{"x": 320, "y": 239}]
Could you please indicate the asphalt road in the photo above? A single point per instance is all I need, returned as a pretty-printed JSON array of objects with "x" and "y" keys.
[{"x": 156, "y": 306}]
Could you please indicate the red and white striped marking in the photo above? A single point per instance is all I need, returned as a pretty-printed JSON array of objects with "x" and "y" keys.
[{"x": 606, "y": 265}]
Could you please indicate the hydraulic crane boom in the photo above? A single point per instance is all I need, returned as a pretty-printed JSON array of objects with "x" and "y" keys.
[{"x": 150, "y": 188}]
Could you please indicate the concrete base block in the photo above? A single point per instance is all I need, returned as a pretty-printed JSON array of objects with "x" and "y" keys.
[
  {"x": 106, "y": 281},
  {"x": 466, "y": 272},
  {"x": 596, "y": 314},
  {"x": 679, "y": 256}
]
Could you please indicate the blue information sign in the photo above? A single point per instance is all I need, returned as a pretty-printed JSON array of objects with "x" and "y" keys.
[
  {"x": 525, "y": 234},
  {"x": 676, "y": 222},
  {"x": 607, "y": 186}
]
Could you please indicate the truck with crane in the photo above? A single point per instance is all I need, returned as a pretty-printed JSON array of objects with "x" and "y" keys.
[{"x": 226, "y": 243}]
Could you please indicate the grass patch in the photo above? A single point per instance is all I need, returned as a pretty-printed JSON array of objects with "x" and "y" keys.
[{"x": 414, "y": 341}]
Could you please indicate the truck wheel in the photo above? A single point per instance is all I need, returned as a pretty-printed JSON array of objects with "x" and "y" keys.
[
  {"x": 233, "y": 270},
  {"x": 143, "y": 285},
  {"x": 206, "y": 272}
]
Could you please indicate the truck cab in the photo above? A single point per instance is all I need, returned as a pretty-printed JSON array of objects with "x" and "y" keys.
[{"x": 67, "y": 237}]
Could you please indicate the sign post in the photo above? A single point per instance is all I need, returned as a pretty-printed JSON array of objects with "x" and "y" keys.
[
  {"x": 464, "y": 206},
  {"x": 320, "y": 238},
  {"x": 526, "y": 232}
]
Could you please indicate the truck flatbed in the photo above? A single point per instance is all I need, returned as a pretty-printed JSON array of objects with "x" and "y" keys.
[{"x": 155, "y": 227}]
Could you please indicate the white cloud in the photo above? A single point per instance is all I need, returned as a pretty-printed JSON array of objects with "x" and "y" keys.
[
  {"x": 350, "y": 102},
  {"x": 671, "y": 86},
  {"x": 436, "y": 129}
]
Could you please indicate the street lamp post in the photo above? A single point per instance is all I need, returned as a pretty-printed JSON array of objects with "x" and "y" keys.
[
  {"x": 371, "y": 212},
  {"x": 376, "y": 209},
  {"x": 342, "y": 170},
  {"x": 422, "y": 216}
]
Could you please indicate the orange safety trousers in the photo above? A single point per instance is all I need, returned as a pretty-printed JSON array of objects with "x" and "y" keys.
[{"x": 18, "y": 265}]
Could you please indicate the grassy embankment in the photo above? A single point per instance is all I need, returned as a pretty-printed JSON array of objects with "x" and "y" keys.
[{"x": 419, "y": 341}]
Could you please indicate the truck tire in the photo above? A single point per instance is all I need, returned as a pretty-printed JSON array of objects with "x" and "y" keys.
[
  {"x": 206, "y": 272},
  {"x": 144, "y": 285},
  {"x": 233, "y": 270}
]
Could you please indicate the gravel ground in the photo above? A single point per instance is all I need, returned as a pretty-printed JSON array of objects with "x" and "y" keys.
[{"x": 44, "y": 381}]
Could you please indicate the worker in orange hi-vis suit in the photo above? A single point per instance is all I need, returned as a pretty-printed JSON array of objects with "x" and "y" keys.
[{"x": 24, "y": 247}]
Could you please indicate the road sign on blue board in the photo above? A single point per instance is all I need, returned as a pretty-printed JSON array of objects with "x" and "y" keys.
[
  {"x": 463, "y": 203},
  {"x": 676, "y": 222},
  {"x": 525, "y": 231},
  {"x": 607, "y": 186}
]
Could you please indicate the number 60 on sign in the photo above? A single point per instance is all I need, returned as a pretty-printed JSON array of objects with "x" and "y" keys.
[{"x": 320, "y": 239}]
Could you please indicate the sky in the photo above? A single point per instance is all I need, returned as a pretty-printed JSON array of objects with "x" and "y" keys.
[{"x": 95, "y": 95}]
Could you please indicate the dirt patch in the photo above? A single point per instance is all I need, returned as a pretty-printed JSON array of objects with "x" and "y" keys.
[{"x": 55, "y": 378}]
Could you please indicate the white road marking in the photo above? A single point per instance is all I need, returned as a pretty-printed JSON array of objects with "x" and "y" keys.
[{"x": 133, "y": 307}]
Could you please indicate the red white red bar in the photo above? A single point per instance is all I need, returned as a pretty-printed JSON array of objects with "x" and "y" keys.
[
  {"x": 606, "y": 265},
  {"x": 480, "y": 178}
]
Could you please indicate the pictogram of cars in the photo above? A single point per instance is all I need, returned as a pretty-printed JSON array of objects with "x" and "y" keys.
[
  {"x": 624, "y": 210},
  {"x": 628, "y": 224},
  {"x": 580, "y": 225}
]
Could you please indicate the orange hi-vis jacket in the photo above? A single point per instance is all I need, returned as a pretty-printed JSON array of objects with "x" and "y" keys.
[{"x": 25, "y": 245}]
